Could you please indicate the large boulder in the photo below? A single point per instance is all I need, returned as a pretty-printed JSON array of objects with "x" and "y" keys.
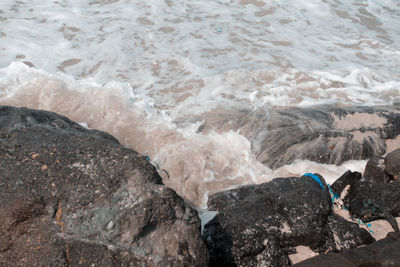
[
  {"x": 368, "y": 199},
  {"x": 72, "y": 196},
  {"x": 392, "y": 164},
  {"x": 383, "y": 253},
  {"x": 326, "y": 134},
  {"x": 375, "y": 170},
  {"x": 384, "y": 169},
  {"x": 260, "y": 225}
]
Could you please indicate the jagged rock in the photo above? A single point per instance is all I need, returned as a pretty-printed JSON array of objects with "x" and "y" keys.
[
  {"x": 259, "y": 225},
  {"x": 348, "y": 178},
  {"x": 384, "y": 169},
  {"x": 392, "y": 164},
  {"x": 383, "y": 253},
  {"x": 71, "y": 196},
  {"x": 369, "y": 200},
  {"x": 375, "y": 170},
  {"x": 343, "y": 235},
  {"x": 325, "y": 134}
]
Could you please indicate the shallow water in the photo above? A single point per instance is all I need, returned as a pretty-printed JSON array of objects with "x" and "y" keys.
[{"x": 149, "y": 72}]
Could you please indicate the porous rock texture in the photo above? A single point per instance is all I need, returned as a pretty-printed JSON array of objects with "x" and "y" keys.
[
  {"x": 71, "y": 196},
  {"x": 369, "y": 200},
  {"x": 375, "y": 170},
  {"x": 392, "y": 164},
  {"x": 260, "y": 225},
  {"x": 384, "y": 169}
]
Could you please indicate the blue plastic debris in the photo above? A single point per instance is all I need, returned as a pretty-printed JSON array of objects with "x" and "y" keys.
[
  {"x": 371, "y": 231},
  {"x": 334, "y": 196},
  {"x": 316, "y": 178},
  {"x": 367, "y": 224},
  {"x": 148, "y": 158}
]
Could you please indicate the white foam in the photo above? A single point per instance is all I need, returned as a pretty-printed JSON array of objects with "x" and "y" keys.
[
  {"x": 197, "y": 164},
  {"x": 191, "y": 56},
  {"x": 135, "y": 68},
  {"x": 328, "y": 171}
]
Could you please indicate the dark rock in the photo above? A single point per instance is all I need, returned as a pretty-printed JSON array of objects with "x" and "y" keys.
[
  {"x": 327, "y": 260},
  {"x": 375, "y": 170},
  {"x": 71, "y": 196},
  {"x": 384, "y": 169},
  {"x": 369, "y": 200},
  {"x": 348, "y": 178},
  {"x": 259, "y": 225},
  {"x": 392, "y": 164},
  {"x": 325, "y": 134},
  {"x": 383, "y": 253},
  {"x": 344, "y": 235}
]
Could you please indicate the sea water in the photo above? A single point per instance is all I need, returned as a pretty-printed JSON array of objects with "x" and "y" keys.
[{"x": 150, "y": 72}]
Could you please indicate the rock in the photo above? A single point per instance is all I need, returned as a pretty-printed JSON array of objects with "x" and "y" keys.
[
  {"x": 327, "y": 260},
  {"x": 369, "y": 200},
  {"x": 348, "y": 178},
  {"x": 384, "y": 169},
  {"x": 71, "y": 196},
  {"x": 392, "y": 164},
  {"x": 259, "y": 225},
  {"x": 344, "y": 235},
  {"x": 382, "y": 253},
  {"x": 375, "y": 170},
  {"x": 326, "y": 134}
]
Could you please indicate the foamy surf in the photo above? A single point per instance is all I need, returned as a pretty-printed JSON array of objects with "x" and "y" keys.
[
  {"x": 150, "y": 72},
  {"x": 191, "y": 57},
  {"x": 194, "y": 164}
]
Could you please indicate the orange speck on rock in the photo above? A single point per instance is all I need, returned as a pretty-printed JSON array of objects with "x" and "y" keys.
[
  {"x": 44, "y": 167},
  {"x": 59, "y": 213},
  {"x": 34, "y": 156},
  {"x": 58, "y": 217}
]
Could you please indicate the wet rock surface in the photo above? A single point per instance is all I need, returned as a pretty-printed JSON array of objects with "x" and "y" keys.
[
  {"x": 369, "y": 200},
  {"x": 375, "y": 170},
  {"x": 325, "y": 134},
  {"x": 384, "y": 253},
  {"x": 392, "y": 165},
  {"x": 72, "y": 196},
  {"x": 384, "y": 169},
  {"x": 260, "y": 225}
]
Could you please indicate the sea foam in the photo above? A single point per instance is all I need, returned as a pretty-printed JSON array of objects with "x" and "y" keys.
[{"x": 143, "y": 70}]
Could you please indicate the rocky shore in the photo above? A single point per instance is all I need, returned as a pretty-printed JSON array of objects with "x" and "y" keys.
[
  {"x": 75, "y": 197},
  {"x": 70, "y": 196}
]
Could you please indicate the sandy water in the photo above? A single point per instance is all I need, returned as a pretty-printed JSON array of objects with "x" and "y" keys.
[{"x": 142, "y": 70}]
